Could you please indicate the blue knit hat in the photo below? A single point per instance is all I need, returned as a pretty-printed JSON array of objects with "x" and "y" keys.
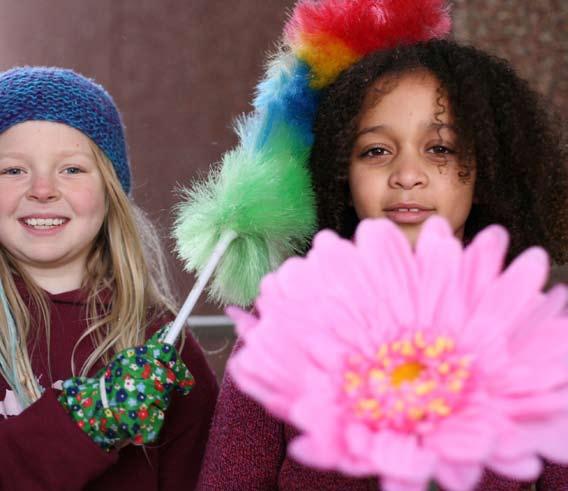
[{"x": 63, "y": 96}]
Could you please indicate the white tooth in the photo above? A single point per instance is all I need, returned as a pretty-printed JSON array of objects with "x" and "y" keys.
[
  {"x": 403, "y": 209},
  {"x": 32, "y": 222},
  {"x": 414, "y": 210}
]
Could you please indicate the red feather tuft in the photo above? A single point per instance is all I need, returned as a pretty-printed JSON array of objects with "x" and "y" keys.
[{"x": 369, "y": 25}]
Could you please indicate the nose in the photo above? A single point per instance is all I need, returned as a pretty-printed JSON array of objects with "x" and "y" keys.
[
  {"x": 408, "y": 172},
  {"x": 43, "y": 188}
]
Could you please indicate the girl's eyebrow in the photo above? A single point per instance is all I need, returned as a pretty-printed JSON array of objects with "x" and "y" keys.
[
  {"x": 12, "y": 154},
  {"x": 371, "y": 129},
  {"x": 442, "y": 126}
]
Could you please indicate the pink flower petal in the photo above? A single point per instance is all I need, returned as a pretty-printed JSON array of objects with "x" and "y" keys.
[
  {"x": 321, "y": 338},
  {"x": 468, "y": 437},
  {"x": 536, "y": 346},
  {"x": 265, "y": 348},
  {"x": 244, "y": 321},
  {"x": 526, "y": 468},
  {"x": 290, "y": 283},
  {"x": 435, "y": 226},
  {"x": 340, "y": 267},
  {"x": 276, "y": 401},
  {"x": 399, "y": 456},
  {"x": 551, "y": 305},
  {"x": 513, "y": 443},
  {"x": 308, "y": 451},
  {"x": 483, "y": 260},
  {"x": 438, "y": 257},
  {"x": 358, "y": 438},
  {"x": 338, "y": 275},
  {"x": 493, "y": 359},
  {"x": 456, "y": 476},
  {"x": 392, "y": 271},
  {"x": 521, "y": 379},
  {"x": 546, "y": 437},
  {"x": 317, "y": 409},
  {"x": 504, "y": 301},
  {"x": 550, "y": 437},
  {"x": 535, "y": 405}
]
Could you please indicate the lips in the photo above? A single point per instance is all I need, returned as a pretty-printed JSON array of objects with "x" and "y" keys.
[{"x": 408, "y": 213}]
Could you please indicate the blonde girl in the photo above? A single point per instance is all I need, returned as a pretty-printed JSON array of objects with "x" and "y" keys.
[{"x": 84, "y": 286}]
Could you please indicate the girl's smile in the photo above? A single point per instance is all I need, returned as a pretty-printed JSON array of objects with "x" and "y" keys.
[
  {"x": 404, "y": 165},
  {"x": 43, "y": 224}
]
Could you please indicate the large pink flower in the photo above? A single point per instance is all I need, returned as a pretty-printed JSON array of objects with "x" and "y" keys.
[{"x": 412, "y": 365}]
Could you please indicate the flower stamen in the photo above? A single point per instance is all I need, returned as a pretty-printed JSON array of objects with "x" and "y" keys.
[{"x": 409, "y": 381}]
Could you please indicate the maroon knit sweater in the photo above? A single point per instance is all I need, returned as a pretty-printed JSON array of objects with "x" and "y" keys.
[
  {"x": 43, "y": 449},
  {"x": 247, "y": 452}
]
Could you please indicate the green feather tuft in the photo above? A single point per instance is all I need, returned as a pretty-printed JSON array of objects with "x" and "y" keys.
[{"x": 265, "y": 197}]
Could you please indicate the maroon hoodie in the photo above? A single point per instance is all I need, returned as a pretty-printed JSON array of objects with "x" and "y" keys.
[
  {"x": 42, "y": 449},
  {"x": 247, "y": 452}
]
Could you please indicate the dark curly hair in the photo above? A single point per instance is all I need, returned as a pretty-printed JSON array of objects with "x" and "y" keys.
[{"x": 502, "y": 125}]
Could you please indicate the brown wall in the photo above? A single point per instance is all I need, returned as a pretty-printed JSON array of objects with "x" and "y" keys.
[
  {"x": 182, "y": 70},
  {"x": 531, "y": 34}
]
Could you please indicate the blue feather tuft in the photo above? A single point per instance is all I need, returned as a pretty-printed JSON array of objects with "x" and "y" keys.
[{"x": 286, "y": 96}]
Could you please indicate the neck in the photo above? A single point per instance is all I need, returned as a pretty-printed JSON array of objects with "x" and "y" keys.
[{"x": 57, "y": 280}]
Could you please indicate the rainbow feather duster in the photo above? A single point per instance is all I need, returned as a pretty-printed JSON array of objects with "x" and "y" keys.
[{"x": 261, "y": 190}]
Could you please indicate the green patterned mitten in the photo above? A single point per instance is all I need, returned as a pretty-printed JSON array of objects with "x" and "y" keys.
[{"x": 125, "y": 402}]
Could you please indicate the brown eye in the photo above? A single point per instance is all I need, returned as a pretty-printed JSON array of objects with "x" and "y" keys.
[
  {"x": 441, "y": 149},
  {"x": 375, "y": 152}
]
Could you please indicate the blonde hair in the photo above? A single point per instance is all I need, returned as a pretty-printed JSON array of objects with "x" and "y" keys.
[{"x": 126, "y": 261}]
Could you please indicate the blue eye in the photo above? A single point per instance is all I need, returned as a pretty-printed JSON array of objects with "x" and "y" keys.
[
  {"x": 73, "y": 170},
  {"x": 11, "y": 171}
]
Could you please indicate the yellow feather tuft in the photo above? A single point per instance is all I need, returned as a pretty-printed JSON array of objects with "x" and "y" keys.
[{"x": 326, "y": 55}]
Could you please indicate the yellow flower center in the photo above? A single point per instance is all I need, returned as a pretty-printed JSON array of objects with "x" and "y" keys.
[
  {"x": 409, "y": 382},
  {"x": 406, "y": 372}
]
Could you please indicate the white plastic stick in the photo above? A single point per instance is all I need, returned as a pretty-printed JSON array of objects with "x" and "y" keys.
[{"x": 173, "y": 332}]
